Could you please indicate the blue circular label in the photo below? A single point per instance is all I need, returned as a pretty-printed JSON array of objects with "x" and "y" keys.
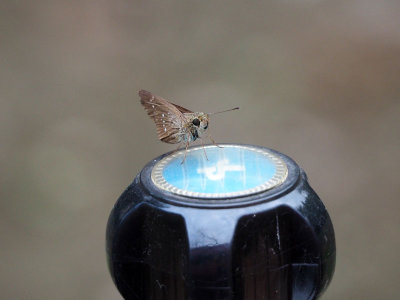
[{"x": 213, "y": 172}]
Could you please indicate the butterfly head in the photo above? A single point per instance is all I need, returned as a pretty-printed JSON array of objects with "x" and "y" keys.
[{"x": 200, "y": 122}]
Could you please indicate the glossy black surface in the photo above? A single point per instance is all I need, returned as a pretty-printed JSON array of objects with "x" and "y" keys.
[{"x": 278, "y": 244}]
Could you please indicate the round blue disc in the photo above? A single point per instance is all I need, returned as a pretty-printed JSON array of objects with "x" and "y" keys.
[{"x": 213, "y": 172}]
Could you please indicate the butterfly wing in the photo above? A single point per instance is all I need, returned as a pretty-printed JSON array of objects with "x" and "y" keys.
[
  {"x": 182, "y": 109},
  {"x": 168, "y": 118}
]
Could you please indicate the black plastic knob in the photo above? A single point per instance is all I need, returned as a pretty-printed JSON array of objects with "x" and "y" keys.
[{"x": 274, "y": 244}]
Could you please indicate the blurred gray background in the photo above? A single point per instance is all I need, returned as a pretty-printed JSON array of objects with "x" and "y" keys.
[{"x": 318, "y": 80}]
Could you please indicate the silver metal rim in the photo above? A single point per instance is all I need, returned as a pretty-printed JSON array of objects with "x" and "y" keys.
[{"x": 278, "y": 178}]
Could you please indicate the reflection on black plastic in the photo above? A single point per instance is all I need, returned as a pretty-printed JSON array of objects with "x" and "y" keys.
[{"x": 277, "y": 245}]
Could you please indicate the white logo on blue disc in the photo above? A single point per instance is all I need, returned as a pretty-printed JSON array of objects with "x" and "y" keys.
[{"x": 231, "y": 171}]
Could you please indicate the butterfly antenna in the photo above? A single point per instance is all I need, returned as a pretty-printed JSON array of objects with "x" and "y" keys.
[{"x": 218, "y": 112}]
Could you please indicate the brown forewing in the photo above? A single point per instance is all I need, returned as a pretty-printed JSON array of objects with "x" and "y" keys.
[
  {"x": 182, "y": 109},
  {"x": 168, "y": 117}
]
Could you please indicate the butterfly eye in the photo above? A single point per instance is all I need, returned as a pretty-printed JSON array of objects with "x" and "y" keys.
[{"x": 196, "y": 122}]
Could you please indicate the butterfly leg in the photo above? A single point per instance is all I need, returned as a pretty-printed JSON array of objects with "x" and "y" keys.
[
  {"x": 205, "y": 154},
  {"x": 212, "y": 140},
  {"x": 184, "y": 158},
  {"x": 177, "y": 148},
  {"x": 173, "y": 152}
]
